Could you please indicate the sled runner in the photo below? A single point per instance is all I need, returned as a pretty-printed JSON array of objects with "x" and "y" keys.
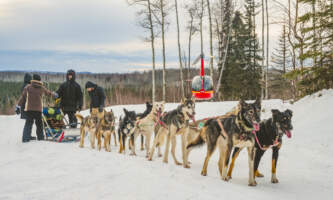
[{"x": 57, "y": 128}]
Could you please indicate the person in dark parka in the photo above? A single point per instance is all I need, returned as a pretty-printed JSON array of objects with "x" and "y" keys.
[
  {"x": 97, "y": 96},
  {"x": 71, "y": 97}
]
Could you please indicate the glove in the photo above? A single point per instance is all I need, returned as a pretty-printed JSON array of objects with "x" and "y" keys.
[
  {"x": 18, "y": 110},
  {"x": 55, "y": 95},
  {"x": 100, "y": 109}
]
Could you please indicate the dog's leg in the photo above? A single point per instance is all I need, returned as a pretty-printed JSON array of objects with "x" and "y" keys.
[
  {"x": 122, "y": 143},
  {"x": 234, "y": 157},
  {"x": 224, "y": 149},
  {"x": 92, "y": 139},
  {"x": 257, "y": 158},
  {"x": 133, "y": 145},
  {"x": 251, "y": 154},
  {"x": 142, "y": 148},
  {"x": 184, "y": 151},
  {"x": 99, "y": 139},
  {"x": 163, "y": 133},
  {"x": 275, "y": 157},
  {"x": 82, "y": 131},
  {"x": 107, "y": 141},
  {"x": 167, "y": 146},
  {"x": 173, "y": 149},
  {"x": 152, "y": 150},
  {"x": 148, "y": 136},
  {"x": 210, "y": 151},
  {"x": 115, "y": 138}
]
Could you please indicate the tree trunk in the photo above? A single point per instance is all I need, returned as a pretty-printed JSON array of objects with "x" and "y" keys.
[
  {"x": 314, "y": 42},
  {"x": 179, "y": 54},
  {"x": 152, "y": 36},
  {"x": 163, "y": 50},
  {"x": 189, "y": 50},
  {"x": 211, "y": 63},
  {"x": 263, "y": 48},
  {"x": 267, "y": 50}
]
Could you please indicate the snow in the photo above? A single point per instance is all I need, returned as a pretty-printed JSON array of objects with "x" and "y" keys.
[{"x": 47, "y": 170}]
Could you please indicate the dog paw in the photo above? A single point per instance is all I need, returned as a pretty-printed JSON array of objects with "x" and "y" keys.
[
  {"x": 203, "y": 173},
  {"x": 178, "y": 163},
  {"x": 187, "y": 166},
  {"x": 275, "y": 180},
  {"x": 253, "y": 184},
  {"x": 258, "y": 174},
  {"x": 226, "y": 178}
]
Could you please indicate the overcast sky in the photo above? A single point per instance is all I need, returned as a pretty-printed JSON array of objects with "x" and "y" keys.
[{"x": 85, "y": 35}]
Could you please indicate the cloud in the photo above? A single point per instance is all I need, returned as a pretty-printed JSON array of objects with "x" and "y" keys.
[{"x": 96, "y": 36}]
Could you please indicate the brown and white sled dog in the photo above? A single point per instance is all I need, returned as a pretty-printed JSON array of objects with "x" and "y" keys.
[
  {"x": 88, "y": 124},
  {"x": 106, "y": 128},
  {"x": 145, "y": 126},
  {"x": 174, "y": 122},
  {"x": 228, "y": 132}
]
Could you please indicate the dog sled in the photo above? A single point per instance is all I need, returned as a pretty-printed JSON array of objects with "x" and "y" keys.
[{"x": 56, "y": 126}]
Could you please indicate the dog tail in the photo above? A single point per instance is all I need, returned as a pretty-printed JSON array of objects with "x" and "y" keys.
[
  {"x": 199, "y": 140},
  {"x": 79, "y": 117}
]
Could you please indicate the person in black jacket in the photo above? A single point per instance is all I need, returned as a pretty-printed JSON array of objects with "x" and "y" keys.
[
  {"x": 97, "y": 96},
  {"x": 71, "y": 97}
]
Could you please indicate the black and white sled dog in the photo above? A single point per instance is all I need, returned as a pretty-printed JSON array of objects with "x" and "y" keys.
[
  {"x": 126, "y": 126},
  {"x": 269, "y": 135},
  {"x": 172, "y": 124},
  {"x": 234, "y": 130}
]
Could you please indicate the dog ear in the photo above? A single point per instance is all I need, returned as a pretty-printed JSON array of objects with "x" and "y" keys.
[
  {"x": 275, "y": 112},
  {"x": 193, "y": 99},
  {"x": 242, "y": 103},
  {"x": 258, "y": 101},
  {"x": 125, "y": 111},
  {"x": 289, "y": 112}
]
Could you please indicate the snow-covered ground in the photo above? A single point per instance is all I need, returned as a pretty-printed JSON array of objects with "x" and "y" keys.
[{"x": 47, "y": 170}]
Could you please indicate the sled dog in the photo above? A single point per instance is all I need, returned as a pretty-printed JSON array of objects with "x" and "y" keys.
[
  {"x": 126, "y": 128},
  {"x": 175, "y": 122},
  {"x": 88, "y": 124},
  {"x": 145, "y": 126},
  {"x": 232, "y": 131},
  {"x": 269, "y": 136},
  {"x": 106, "y": 128}
]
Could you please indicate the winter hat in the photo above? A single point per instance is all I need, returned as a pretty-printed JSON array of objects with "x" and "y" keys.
[
  {"x": 36, "y": 77},
  {"x": 71, "y": 72},
  {"x": 90, "y": 84},
  {"x": 27, "y": 78}
]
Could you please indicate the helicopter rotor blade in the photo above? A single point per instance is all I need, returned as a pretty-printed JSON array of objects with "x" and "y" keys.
[{"x": 198, "y": 59}]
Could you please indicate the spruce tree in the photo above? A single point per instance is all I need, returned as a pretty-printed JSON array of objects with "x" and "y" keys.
[{"x": 281, "y": 56}]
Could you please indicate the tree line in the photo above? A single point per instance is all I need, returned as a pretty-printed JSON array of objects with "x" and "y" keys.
[{"x": 243, "y": 63}]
